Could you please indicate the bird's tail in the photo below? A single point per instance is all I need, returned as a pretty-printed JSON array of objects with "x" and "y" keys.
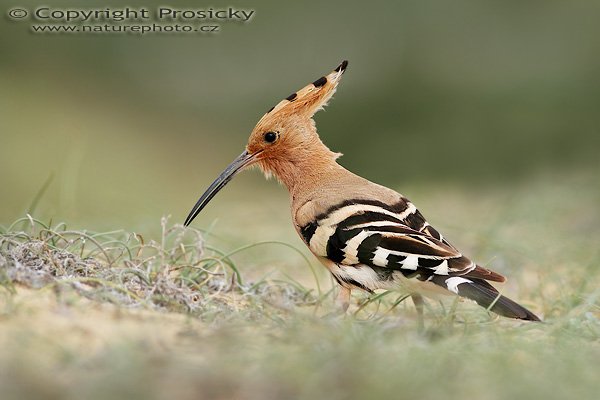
[{"x": 486, "y": 296}]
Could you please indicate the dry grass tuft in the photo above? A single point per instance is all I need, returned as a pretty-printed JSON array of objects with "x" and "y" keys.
[{"x": 179, "y": 273}]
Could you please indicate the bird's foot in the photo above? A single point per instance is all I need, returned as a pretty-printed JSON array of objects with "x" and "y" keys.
[{"x": 419, "y": 305}]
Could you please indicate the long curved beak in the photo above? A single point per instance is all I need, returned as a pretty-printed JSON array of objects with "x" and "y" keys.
[{"x": 238, "y": 164}]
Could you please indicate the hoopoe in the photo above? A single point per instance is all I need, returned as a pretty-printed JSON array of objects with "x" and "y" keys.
[{"x": 368, "y": 236}]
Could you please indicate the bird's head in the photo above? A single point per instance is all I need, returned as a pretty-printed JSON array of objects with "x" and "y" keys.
[{"x": 284, "y": 138}]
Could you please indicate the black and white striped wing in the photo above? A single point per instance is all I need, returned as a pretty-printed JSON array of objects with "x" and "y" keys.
[
  {"x": 379, "y": 235},
  {"x": 366, "y": 237}
]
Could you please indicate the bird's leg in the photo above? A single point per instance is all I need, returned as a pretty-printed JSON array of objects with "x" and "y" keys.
[
  {"x": 343, "y": 298},
  {"x": 419, "y": 303}
]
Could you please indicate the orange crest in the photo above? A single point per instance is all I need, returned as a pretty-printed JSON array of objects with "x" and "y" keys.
[{"x": 311, "y": 98}]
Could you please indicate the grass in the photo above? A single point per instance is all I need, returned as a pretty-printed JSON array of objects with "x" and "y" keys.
[
  {"x": 178, "y": 273},
  {"x": 118, "y": 315}
]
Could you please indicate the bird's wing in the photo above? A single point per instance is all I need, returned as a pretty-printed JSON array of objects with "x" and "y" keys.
[
  {"x": 417, "y": 222},
  {"x": 395, "y": 237},
  {"x": 392, "y": 244}
]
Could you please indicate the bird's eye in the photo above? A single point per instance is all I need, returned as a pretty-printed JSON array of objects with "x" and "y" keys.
[{"x": 270, "y": 137}]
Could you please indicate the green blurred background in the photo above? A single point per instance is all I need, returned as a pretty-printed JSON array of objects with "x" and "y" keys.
[{"x": 469, "y": 94}]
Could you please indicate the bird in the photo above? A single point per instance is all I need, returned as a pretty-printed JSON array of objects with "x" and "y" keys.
[{"x": 368, "y": 236}]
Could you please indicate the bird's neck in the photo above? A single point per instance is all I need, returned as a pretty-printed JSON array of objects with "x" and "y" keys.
[{"x": 307, "y": 167}]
